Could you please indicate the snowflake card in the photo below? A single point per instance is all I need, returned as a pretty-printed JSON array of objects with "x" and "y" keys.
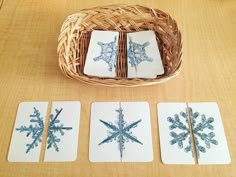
[
  {"x": 144, "y": 60},
  {"x": 120, "y": 132},
  {"x": 63, "y": 132},
  {"x": 192, "y": 133},
  {"x": 102, "y": 54},
  {"x": 27, "y": 134}
]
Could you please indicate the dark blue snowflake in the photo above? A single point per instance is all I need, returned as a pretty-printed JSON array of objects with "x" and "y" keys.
[
  {"x": 35, "y": 130},
  {"x": 108, "y": 53},
  {"x": 200, "y": 130},
  {"x": 53, "y": 128},
  {"x": 137, "y": 53},
  {"x": 120, "y": 132}
]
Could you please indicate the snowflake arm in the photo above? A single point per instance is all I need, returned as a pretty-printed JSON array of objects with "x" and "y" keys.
[
  {"x": 133, "y": 125},
  {"x": 37, "y": 139},
  {"x": 121, "y": 142},
  {"x": 53, "y": 119},
  {"x": 109, "y": 125},
  {"x": 109, "y": 138},
  {"x": 193, "y": 116},
  {"x": 176, "y": 123},
  {"x": 205, "y": 123},
  {"x": 189, "y": 146},
  {"x": 52, "y": 141},
  {"x": 199, "y": 148},
  {"x": 132, "y": 138},
  {"x": 178, "y": 138},
  {"x": 207, "y": 138}
]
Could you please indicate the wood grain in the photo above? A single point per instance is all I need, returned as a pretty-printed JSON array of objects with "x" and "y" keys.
[
  {"x": 29, "y": 72},
  {"x": 1, "y": 3}
]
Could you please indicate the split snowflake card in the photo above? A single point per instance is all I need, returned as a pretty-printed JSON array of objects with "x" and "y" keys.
[
  {"x": 190, "y": 132},
  {"x": 143, "y": 57},
  {"x": 120, "y": 132},
  {"x": 62, "y": 132}
]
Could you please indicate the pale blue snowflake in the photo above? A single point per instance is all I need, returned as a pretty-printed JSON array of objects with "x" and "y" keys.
[
  {"x": 120, "y": 132},
  {"x": 137, "y": 53},
  {"x": 199, "y": 131},
  {"x": 177, "y": 123},
  {"x": 53, "y": 128},
  {"x": 108, "y": 53},
  {"x": 35, "y": 130}
]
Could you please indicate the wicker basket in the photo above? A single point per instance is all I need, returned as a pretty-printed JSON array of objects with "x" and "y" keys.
[{"x": 75, "y": 36}]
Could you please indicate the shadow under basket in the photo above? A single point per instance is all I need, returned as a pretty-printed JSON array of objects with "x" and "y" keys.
[{"x": 76, "y": 31}]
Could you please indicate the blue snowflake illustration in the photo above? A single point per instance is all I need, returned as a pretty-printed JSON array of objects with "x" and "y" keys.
[
  {"x": 53, "y": 128},
  {"x": 137, "y": 53},
  {"x": 199, "y": 130},
  {"x": 108, "y": 53},
  {"x": 35, "y": 130},
  {"x": 120, "y": 132}
]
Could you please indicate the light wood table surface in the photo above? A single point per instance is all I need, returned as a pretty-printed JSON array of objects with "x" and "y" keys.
[{"x": 29, "y": 72}]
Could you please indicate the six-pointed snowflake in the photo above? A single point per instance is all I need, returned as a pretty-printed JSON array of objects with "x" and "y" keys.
[
  {"x": 35, "y": 130},
  {"x": 53, "y": 128},
  {"x": 120, "y": 132},
  {"x": 137, "y": 53},
  {"x": 200, "y": 130},
  {"x": 108, "y": 53}
]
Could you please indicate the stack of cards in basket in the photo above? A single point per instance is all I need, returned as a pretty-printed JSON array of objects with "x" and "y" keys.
[{"x": 143, "y": 57}]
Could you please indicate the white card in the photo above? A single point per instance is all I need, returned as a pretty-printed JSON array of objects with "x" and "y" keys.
[
  {"x": 63, "y": 131},
  {"x": 102, "y": 54},
  {"x": 209, "y": 136},
  {"x": 27, "y": 134},
  {"x": 120, "y": 132},
  {"x": 175, "y": 138},
  {"x": 144, "y": 60}
]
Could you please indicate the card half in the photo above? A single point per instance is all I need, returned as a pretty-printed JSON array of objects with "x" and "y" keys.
[
  {"x": 144, "y": 60},
  {"x": 27, "y": 134},
  {"x": 102, "y": 54},
  {"x": 63, "y": 132},
  {"x": 175, "y": 135},
  {"x": 209, "y": 136}
]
